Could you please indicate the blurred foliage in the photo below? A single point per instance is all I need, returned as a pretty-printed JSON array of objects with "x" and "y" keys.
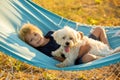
[{"x": 95, "y": 12}]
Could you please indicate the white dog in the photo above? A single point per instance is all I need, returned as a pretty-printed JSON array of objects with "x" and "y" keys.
[{"x": 71, "y": 40}]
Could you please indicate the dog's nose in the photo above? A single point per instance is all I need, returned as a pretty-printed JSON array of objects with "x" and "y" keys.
[{"x": 67, "y": 43}]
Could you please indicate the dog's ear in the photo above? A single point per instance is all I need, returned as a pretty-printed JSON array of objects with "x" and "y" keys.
[
  {"x": 78, "y": 37},
  {"x": 81, "y": 34},
  {"x": 55, "y": 35}
]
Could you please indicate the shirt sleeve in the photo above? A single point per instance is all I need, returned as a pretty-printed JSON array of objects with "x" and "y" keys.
[{"x": 49, "y": 34}]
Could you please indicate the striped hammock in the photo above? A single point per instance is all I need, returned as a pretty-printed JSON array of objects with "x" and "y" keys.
[{"x": 14, "y": 13}]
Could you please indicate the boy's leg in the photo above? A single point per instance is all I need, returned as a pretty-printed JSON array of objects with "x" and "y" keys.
[
  {"x": 88, "y": 57},
  {"x": 100, "y": 34},
  {"x": 84, "y": 54}
]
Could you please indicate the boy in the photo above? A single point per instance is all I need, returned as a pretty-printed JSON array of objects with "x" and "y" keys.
[{"x": 46, "y": 44}]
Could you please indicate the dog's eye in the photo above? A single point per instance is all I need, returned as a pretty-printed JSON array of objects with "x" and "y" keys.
[
  {"x": 63, "y": 37},
  {"x": 71, "y": 38}
]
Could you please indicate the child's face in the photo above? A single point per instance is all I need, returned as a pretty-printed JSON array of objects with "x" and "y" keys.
[{"x": 35, "y": 39}]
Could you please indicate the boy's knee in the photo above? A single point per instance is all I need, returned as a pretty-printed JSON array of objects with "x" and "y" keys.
[
  {"x": 99, "y": 29},
  {"x": 88, "y": 57}
]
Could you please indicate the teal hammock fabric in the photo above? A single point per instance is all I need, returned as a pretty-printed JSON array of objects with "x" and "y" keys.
[{"x": 14, "y": 13}]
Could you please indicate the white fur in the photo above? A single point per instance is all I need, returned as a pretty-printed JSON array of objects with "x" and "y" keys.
[
  {"x": 97, "y": 48},
  {"x": 63, "y": 36},
  {"x": 76, "y": 40}
]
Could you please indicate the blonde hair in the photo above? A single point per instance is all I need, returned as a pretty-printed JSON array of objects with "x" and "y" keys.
[{"x": 26, "y": 29}]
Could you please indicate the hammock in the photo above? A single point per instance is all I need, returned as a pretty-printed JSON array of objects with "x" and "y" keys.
[{"x": 14, "y": 13}]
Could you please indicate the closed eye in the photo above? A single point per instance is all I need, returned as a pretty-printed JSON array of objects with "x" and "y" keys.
[
  {"x": 63, "y": 37},
  {"x": 70, "y": 38},
  {"x": 35, "y": 34}
]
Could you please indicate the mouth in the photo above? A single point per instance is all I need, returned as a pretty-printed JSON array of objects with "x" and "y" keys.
[
  {"x": 38, "y": 41},
  {"x": 67, "y": 48}
]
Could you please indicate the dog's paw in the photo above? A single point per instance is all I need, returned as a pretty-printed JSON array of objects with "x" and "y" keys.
[
  {"x": 56, "y": 54},
  {"x": 60, "y": 65},
  {"x": 53, "y": 53}
]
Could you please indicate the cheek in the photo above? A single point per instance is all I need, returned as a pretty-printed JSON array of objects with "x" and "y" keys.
[
  {"x": 33, "y": 44},
  {"x": 60, "y": 41},
  {"x": 74, "y": 41}
]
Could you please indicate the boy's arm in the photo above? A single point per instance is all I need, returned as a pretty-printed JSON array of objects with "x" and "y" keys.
[
  {"x": 59, "y": 58},
  {"x": 84, "y": 49}
]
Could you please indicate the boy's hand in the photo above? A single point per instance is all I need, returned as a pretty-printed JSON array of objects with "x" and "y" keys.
[{"x": 59, "y": 58}]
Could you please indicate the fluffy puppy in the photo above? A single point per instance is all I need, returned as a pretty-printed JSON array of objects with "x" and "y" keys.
[{"x": 70, "y": 41}]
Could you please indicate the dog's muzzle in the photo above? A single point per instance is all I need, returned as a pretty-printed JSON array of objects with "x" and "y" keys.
[
  {"x": 67, "y": 47},
  {"x": 67, "y": 43}
]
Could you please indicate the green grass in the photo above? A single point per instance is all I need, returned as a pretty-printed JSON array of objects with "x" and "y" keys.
[{"x": 92, "y": 12}]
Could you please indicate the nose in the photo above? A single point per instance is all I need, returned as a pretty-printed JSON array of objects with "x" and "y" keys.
[
  {"x": 35, "y": 38},
  {"x": 67, "y": 43}
]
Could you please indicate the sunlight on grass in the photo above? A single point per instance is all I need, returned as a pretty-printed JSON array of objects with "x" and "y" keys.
[
  {"x": 98, "y": 1},
  {"x": 90, "y": 12},
  {"x": 93, "y": 12}
]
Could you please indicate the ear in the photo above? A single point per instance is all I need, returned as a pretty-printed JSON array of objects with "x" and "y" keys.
[
  {"x": 55, "y": 35},
  {"x": 81, "y": 35}
]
